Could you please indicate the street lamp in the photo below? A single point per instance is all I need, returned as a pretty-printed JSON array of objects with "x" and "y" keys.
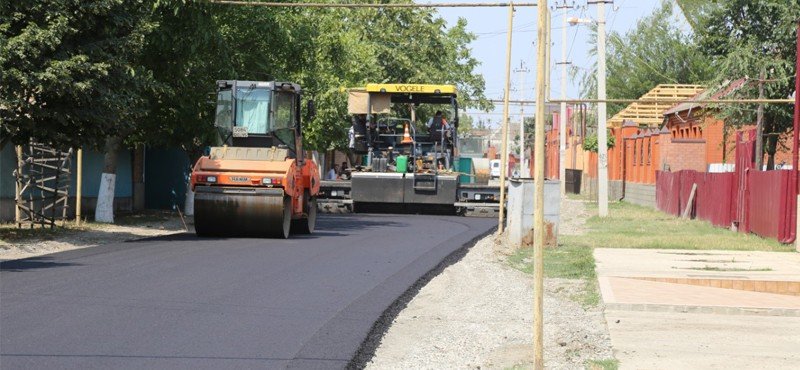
[{"x": 575, "y": 21}]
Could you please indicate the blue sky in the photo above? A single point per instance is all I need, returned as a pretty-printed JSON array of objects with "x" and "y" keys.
[{"x": 490, "y": 26}]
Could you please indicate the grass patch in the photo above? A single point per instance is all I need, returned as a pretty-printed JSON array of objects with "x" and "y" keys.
[
  {"x": 145, "y": 217},
  {"x": 729, "y": 269},
  {"x": 568, "y": 262},
  {"x": 633, "y": 226},
  {"x": 607, "y": 364},
  {"x": 10, "y": 232},
  {"x": 732, "y": 260}
]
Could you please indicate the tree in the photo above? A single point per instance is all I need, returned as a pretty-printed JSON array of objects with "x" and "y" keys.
[
  {"x": 111, "y": 74},
  {"x": 656, "y": 51},
  {"x": 68, "y": 76},
  {"x": 748, "y": 39},
  {"x": 71, "y": 78}
]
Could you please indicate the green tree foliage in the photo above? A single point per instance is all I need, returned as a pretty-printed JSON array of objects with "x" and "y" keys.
[
  {"x": 656, "y": 51},
  {"x": 590, "y": 142},
  {"x": 68, "y": 70},
  {"x": 75, "y": 72},
  {"x": 744, "y": 38}
]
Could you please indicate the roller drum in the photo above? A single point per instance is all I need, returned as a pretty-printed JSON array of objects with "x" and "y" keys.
[{"x": 241, "y": 212}]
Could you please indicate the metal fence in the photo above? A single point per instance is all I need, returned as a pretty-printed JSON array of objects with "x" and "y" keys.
[{"x": 761, "y": 202}]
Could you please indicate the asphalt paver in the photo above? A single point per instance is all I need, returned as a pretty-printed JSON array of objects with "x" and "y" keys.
[{"x": 186, "y": 302}]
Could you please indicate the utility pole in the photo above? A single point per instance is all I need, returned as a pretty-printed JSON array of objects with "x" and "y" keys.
[
  {"x": 602, "y": 133},
  {"x": 796, "y": 140},
  {"x": 523, "y": 172},
  {"x": 760, "y": 124},
  {"x": 504, "y": 147},
  {"x": 562, "y": 129},
  {"x": 538, "y": 214}
]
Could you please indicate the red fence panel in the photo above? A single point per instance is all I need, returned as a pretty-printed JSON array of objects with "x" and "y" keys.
[
  {"x": 715, "y": 198},
  {"x": 770, "y": 204},
  {"x": 667, "y": 192}
]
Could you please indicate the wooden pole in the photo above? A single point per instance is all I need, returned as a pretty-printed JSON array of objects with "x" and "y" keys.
[
  {"x": 504, "y": 146},
  {"x": 538, "y": 215},
  {"x": 687, "y": 212},
  {"x": 796, "y": 140},
  {"x": 79, "y": 189}
]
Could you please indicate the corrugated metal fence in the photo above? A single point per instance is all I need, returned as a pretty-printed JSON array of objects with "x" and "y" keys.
[{"x": 761, "y": 202}]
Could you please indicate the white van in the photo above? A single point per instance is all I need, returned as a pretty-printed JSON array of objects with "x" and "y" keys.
[{"x": 494, "y": 166}]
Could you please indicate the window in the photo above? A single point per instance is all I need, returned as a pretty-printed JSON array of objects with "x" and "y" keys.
[
  {"x": 284, "y": 110},
  {"x": 252, "y": 109},
  {"x": 284, "y": 124},
  {"x": 224, "y": 109}
]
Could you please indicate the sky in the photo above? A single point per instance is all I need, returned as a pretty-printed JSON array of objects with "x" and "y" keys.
[{"x": 490, "y": 25}]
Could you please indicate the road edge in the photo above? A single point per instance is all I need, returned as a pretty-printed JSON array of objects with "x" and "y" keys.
[{"x": 368, "y": 347}]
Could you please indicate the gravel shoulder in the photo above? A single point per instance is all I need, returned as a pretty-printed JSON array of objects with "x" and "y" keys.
[
  {"x": 26, "y": 243},
  {"x": 478, "y": 314}
]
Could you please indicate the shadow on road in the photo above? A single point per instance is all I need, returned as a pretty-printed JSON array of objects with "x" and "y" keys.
[
  {"x": 327, "y": 226},
  {"x": 32, "y": 263}
]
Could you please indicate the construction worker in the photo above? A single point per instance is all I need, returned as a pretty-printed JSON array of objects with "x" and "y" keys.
[
  {"x": 437, "y": 122},
  {"x": 333, "y": 173}
]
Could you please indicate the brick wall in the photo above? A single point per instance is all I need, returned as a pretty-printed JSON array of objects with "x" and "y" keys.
[{"x": 683, "y": 154}]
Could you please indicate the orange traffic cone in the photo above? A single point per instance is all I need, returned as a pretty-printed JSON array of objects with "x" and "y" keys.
[{"x": 407, "y": 137}]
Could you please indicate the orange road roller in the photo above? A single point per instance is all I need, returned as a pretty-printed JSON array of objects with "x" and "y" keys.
[{"x": 258, "y": 183}]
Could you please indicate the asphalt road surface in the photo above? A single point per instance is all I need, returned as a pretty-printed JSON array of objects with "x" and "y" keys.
[{"x": 187, "y": 302}]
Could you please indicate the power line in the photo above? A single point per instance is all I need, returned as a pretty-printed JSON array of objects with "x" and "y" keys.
[{"x": 370, "y": 5}]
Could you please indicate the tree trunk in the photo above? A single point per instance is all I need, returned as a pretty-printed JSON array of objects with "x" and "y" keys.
[
  {"x": 772, "y": 147},
  {"x": 760, "y": 125},
  {"x": 104, "y": 211}
]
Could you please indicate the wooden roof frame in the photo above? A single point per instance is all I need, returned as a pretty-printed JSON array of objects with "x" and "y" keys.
[{"x": 648, "y": 111}]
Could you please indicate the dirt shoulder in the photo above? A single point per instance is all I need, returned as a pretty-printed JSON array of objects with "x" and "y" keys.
[
  {"x": 24, "y": 243},
  {"x": 478, "y": 314}
]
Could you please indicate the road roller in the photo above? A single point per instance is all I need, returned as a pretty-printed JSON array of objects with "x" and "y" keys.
[{"x": 258, "y": 183}]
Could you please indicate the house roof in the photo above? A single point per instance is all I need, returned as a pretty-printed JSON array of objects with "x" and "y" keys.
[
  {"x": 707, "y": 95},
  {"x": 647, "y": 111}
]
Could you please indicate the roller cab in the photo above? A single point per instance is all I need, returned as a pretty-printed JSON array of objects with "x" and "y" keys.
[{"x": 256, "y": 184}]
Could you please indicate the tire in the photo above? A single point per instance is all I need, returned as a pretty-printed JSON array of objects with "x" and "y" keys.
[
  {"x": 287, "y": 218},
  {"x": 306, "y": 224}
]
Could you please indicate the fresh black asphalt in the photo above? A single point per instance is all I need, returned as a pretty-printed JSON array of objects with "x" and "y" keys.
[{"x": 186, "y": 302}]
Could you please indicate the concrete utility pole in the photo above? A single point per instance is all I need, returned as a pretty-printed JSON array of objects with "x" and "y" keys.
[
  {"x": 760, "y": 124},
  {"x": 562, "y": 130},
  {"x": 504, "y": 147},
  {"x": 538, "y": 215},
  {"x": 602, "y": 133},
  {"x": 18, "y": 186},
  {"x": 523, "y": 172}
]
